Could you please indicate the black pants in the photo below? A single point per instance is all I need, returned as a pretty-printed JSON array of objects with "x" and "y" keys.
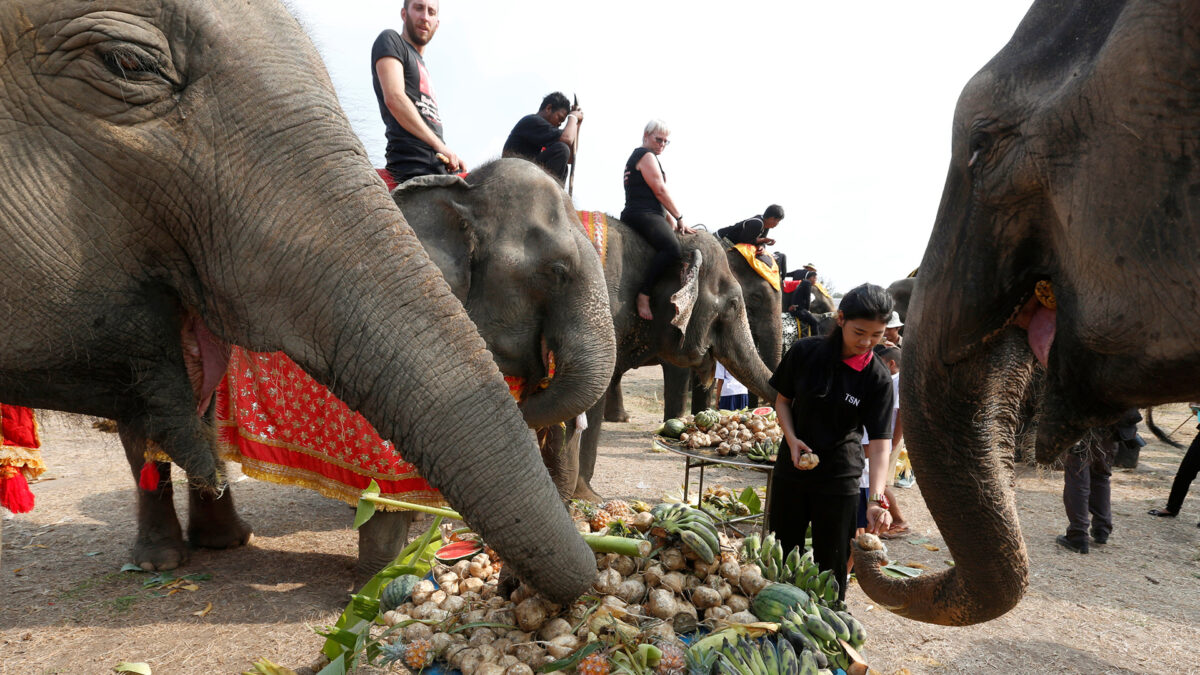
[
  {"x": 1087, "y": 495},
  {"x": 806, "y": 317},
  {"x": 554, "y": 158},
  {"x": 833, "y": 519},
  {"x": 1184, "y": 477},
  {"x": 655, "y": 229},
  {"x": 410, "y": 170}
]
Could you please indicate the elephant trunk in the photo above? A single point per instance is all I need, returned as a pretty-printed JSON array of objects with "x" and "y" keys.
[
  {"x": 583, "y": 341},
  {"x": 379, "y": 326},
  {"x": 734, "y": 347},
  {"x": 964, "y": 456}
]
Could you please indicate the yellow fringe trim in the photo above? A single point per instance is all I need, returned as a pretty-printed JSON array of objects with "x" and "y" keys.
[
  {"x": 1044, "y": 291},
  {"x": 28, "y": 460}
]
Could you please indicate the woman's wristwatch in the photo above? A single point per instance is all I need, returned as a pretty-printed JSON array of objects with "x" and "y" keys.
[
  {"x": 679, "y": 218},
  {"x": 880, "y": 499}
]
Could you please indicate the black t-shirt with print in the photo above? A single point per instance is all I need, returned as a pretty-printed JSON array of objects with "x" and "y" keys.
[
  {"x": 529, "y": 136},
  {"x": 831, "y": 403},
  {"x": 406, "y": 154}
]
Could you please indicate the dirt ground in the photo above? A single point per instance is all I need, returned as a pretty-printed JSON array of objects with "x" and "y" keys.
[{"x": 1132, "y": 606}]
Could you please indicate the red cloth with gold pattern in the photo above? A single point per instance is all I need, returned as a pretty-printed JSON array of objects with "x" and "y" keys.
[{"x": 20, "y": 457}]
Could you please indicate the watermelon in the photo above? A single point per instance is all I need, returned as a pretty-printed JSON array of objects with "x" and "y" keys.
[
  {"x": 459, "y": 550},
  {"x": 397, "y": 592},
  {"x": 763, "y": 411},
  {"x": 672, "y": 428},
  {"x": 774, "y": 601}
]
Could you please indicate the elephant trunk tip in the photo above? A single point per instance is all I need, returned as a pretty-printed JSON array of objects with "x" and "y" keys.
[{"x": 944, "y": 598}]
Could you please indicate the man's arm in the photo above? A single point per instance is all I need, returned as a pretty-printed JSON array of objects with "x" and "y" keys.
[
  {"x": 391, "y": 80},
  {"x": 571, "y": 129}
]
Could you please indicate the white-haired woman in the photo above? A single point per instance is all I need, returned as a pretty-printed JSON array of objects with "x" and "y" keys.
[{"x": 649, "y": 209}]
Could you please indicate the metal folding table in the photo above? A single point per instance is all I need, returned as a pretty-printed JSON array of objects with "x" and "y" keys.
[{"x": 696, "y": 460}]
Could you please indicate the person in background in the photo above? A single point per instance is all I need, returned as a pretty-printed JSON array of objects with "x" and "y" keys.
[
  {"x": 800, "y": 300},
  {"x": 649, "y": 209},
  {"x": 754, "y": 229},
  {"x": 731, "y": 394},
  {"x": 829, "y": 389},
  {"x": 899, "y": 527},
  {"x": 891, "y": 335},
  {"x": 406, "y": 99},
  {"x": 1087, "y": 470},
  {"x": 1188, "y": 468},
  {"x": 539, "y": 139}
]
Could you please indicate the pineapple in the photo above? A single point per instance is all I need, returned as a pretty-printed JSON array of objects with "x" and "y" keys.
[
  {"x": 419, "y": 654},
  {"x": 619, "y": 509},
  {"x": 673, "y": 660},
  {"x": 595, "y": 663},
  {"x": 599, "y": 519}
]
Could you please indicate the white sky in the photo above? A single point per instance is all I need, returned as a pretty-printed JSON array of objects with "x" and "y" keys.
[{"x": 839, "y": 111}]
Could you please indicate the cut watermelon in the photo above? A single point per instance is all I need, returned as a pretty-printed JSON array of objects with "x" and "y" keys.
[
  {"x": 459, "y": 550},
  {"x": 762, "y": 411}
]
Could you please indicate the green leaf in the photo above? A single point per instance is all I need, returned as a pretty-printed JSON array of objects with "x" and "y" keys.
[
  {"x": 366, "y": 509},
  {"x": 335, "y": 667},
  {"x": 130, "y": 567},
  {"x": 141, "y": 668},
  {"x": 897, "y": 571},
  {"x": 572, "y": 660},
  {"x": 749, "y": 497}
]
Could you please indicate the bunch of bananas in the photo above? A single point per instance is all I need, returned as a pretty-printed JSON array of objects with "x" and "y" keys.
[
  {"x": 695, "y": 528},
  {"x": 763, "y": 451},
  {"x": 819, "y": 631},
  {"x": 797, "y": 569},
  {"x": 761, "y": 657}
]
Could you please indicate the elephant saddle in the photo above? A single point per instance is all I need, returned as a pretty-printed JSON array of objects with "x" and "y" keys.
[
  {"x": 767, "y": 269},
  {"x": 284, "y": 427},
  {"x": 20, "y": 457}
]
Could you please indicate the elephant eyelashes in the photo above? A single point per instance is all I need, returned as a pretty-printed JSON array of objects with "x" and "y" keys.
[
  {"x": 980, "y": 144},
  {"x": 132, "y": 64}
]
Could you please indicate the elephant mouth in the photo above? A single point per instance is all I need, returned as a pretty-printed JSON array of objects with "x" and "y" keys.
[{"x": 1037, "y": 314}]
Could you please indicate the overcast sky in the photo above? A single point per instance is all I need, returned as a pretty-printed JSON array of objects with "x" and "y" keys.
[{"x": 839, "y": 111}]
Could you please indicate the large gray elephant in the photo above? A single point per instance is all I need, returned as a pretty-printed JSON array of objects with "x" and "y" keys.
[
  {"x": 508, "y": 242},
  {"x": 1075, "y": 164},
  {"x": 150, "y": 212},
  {"x": 699, "y": 317}
]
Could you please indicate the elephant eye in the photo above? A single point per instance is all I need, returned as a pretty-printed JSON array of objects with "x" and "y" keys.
[
  {"x": 131, "y": 63},
  {"x": 979, "y": 145}
]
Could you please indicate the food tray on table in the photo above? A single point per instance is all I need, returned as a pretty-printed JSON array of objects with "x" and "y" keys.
[{"x": 698, "y": 458}]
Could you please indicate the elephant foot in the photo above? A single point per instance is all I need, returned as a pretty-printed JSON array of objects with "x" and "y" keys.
[
  {"x": 380, "y": 540},
  {"x": 213, "y": 521},
  {"x": 616, "y": 415},
  {"x": 157, "y": 551},
  {"x": 585, "y": 492}
]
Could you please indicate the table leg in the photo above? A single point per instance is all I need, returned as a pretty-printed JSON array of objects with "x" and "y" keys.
[{"x": 766, "y": 520}]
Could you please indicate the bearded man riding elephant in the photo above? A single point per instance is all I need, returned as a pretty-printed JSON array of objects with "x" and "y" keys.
[
  {"x": 140, "y": 241},
  {"x": 1073, "y": 194}
]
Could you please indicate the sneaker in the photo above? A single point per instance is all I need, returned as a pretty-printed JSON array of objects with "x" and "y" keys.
[{"x": 1080, "y": 547}]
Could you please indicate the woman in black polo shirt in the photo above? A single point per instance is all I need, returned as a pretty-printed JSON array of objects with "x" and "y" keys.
[{"x": 829, "y": 389}]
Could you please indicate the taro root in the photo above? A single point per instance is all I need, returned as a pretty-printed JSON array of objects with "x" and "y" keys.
[
  {"x": 725, "y": 590},
  {"x": 662, "y": 603},
  {"x": 614, "y": 606},
  {"x": 607, "y": 582},
  {"x": 731, "y": 571},
  {"x": 523, "y": 592},
  {"x": 562, "y": 646},
  {"x": 479, "y": 571},
  {"x": 482, "y": 636},
  {"x": 624, "y": 565},
  {"x": 441, "y": 642},
  {"x": 703, "y": 569},
  {"x": 502, "y": 645},
  {"x": 704, "y": 597},
  {"x": 661, "y": 631},
  {"x": 743, "y": 617},
  {"x": 488, "y": 668},
  {"x": 474, "y": 616},
  {"x": 465, "y": 659},
  {"x": 751, "y": 580},
  {"x": 518, "y": 669},
  {"x": 528, "y": 652},
  {"x": 717, "y": 613},
  {"x": 531, "y": 614},
  {"x": 500, "y": 615},
  {"x": 488, "y": 653},
  {"x": 422, "y": 611},
  {"x": 438, "y": 614},
  {"x": 508, "y": 661},
  {"x": 453, "y": 653},
  {"x": 495, "y": 601},
  {"x": 631, "y": 590},
  {"x": 394, "y": 617},
  {"x": 673, "y": 581},
  {"x": 685, "y": 622},
  {"x": 672, "y": 559},
  {"x": 422, "y": 591},
  {"x": 470, "y": 585},
  {"x": 417, "y": 631},
  {"x": 654, "y": 574},
  {"x": 643, "y": 521},
  {"x": 690, "y": 582},
  {"x": 554, "y": 628},
  {"x": 460, "y": 569},
  {"x": 712, "y": 581},
  {"x": 439, "y": 596}
]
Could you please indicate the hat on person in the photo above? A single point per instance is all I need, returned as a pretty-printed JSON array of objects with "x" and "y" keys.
[{"x": 895, "y": 321}]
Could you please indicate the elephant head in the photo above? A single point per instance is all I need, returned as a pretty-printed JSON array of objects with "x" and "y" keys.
[
  {"x": 762, "y": 308},
  {"x": 509, "y": 242},
  {"x": 1074, "y": 163},
  {"x": 169, "y": 157}
]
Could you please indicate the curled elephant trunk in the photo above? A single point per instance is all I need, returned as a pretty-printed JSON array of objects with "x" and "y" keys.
[
  {"x": 583, "y": 341},
  {"x": 735, "y": 348},
  {"x": 964, "y": 456}
]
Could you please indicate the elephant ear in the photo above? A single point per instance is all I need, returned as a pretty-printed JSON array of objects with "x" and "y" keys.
[
  {"x": 438, "y": 210},
  {"x": 684, "y": 300}
]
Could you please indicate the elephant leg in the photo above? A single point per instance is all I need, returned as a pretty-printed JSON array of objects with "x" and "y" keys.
[
  {"x": 675, "y": 386},
  {"x": 213, "y": 521},
  {"x": 159, "y": 543},
  {"x": 588, "y": 445},
  {"x": 380, "y": 540},
  {"x": 702, "y": 396},
  {"x": 614, "y": 407},
  {"x": 560, "y": 454}
]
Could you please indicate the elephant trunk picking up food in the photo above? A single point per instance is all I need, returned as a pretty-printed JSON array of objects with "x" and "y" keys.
[{"x": 1072, "y": 196}]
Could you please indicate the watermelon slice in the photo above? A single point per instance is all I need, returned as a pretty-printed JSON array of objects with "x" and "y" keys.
[
  {"x": 762, "y": 411},
  {"x": 459, "y": 550}
]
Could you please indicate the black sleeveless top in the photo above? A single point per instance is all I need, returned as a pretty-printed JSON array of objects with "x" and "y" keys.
[{"x": 638, "y": 195}]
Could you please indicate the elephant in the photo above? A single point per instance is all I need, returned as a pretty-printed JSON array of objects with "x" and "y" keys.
[
  {"x": 533, "y": 286},
  {"x": 1072, "y": 195},
  {"x": 699, "y": 317},
  {"x": 761, "y": 301},
  {"x": 151, "y": 215},
  {"x": 901, "y": 292}
]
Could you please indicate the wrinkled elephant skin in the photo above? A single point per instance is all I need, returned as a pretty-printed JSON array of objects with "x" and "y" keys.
[
  {"x": 1074, "y": 162},
  {"x": 150, "y": 173}
]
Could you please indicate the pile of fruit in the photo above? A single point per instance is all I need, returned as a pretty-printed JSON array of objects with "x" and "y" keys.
[
  {"x": 754, "y": 434},
  {"x": 698, "y": 586}
]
